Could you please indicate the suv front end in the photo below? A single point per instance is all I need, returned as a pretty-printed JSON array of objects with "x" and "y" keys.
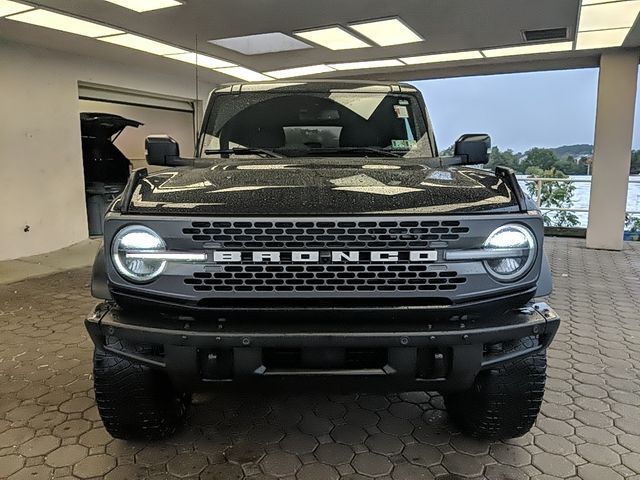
[{"x": 356, "y": 274}]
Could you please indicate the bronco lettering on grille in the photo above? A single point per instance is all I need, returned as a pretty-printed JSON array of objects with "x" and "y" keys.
[{"x": 316, "y": 256}]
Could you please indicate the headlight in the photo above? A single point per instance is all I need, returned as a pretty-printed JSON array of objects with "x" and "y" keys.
[
  {"x": 138, "y": 239},
  {"x": 513, "y": 251}
]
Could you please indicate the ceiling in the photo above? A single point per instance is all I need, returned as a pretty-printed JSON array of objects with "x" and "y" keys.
[{"x": 445, "y": 26}]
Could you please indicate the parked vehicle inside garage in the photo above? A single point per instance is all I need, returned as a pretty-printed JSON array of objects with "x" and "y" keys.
[
  {"x": 106, "y": 168},
  {"x": 319, "y": 239}
]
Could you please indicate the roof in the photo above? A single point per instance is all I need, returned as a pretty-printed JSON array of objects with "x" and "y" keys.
[
  {"x": 324, "y": 85},
  {"x": 444, "y": 27}
]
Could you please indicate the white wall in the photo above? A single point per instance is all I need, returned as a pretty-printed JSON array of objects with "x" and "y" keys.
[{"x": 42, "y": 204}]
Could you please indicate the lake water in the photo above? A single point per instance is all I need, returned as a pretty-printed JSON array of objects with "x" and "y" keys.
[{"x": 583, "y": 189}]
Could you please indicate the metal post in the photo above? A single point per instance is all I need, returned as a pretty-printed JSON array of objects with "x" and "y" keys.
[{"x": 538, "y": 192}]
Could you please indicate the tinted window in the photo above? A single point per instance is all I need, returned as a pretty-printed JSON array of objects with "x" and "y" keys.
[{"x": 332, "y": 123}]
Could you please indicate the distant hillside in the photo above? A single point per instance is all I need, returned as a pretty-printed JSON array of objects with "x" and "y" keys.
[{"x": 576, "y": 151}]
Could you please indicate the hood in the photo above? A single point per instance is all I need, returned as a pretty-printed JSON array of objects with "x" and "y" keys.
[
  {"x": 321, "y": 186},
  {"x": 104, "y": 125}
]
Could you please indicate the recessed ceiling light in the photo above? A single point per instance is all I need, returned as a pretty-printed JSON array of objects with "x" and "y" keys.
[
  {"x": 300, "y": 71},
  {"x": 609, "y": 15},
  {"x": 529, "y": 49},
  {"x": 9, "y": 8},
  {"x": 261, "y": 43},
  {"x": 443, "y": 57},
  {"x": 144, "y": 44},
  {"x": 65, "y": 23},
  {"x": 244, "y": 74},
  {"x": 391, "y": 31},
  {"x": 333, "y": 38},
  {"x": 201, "y": 60},
  {"x": 367, "y": 64},
  {"x": 601, "y": 38},
  {"x": 145, "y": 5},
  {"x": 591, "y": 2}
]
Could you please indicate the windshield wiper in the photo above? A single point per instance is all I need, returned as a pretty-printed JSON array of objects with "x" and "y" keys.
[
  {"x": 310, "y": 151},
  {"x": 244, "y": 151}
]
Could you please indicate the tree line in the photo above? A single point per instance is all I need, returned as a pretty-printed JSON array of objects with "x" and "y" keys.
[
  {"x": 556, "y": 163},
  {"x": 547, "y": 159}
]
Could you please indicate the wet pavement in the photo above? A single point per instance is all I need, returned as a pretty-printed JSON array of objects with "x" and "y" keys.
[{"x": 589, "y": 427}]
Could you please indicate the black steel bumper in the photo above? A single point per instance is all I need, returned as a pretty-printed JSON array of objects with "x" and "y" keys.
[{"x": 362, "y": 354}]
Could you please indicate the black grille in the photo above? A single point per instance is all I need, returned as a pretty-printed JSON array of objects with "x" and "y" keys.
[
  {"x": 324, "y": 234},
  {"x": 325, "y": 278}
]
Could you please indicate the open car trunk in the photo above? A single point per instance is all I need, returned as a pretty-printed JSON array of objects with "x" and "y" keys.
[
  {"x": 102, "y": 160},
  {"x": 106, "y": 168}
]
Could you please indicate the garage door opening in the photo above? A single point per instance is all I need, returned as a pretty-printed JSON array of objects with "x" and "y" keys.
[{"x": 114, "y": 125}]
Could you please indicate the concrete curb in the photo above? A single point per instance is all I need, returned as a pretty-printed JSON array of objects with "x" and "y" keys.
[{"x": 75, "y": 256}]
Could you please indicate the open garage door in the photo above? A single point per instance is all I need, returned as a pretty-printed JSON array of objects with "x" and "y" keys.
[
  {"x": 159, "y": 114},
  {"x": 105, "y": 165}
]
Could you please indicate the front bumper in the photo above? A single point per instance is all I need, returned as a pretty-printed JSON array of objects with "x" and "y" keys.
[{"x": 394, "y": 355}]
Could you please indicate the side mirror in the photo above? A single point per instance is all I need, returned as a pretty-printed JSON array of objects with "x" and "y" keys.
[
  {"x": 161, "y": 150},
  {"x": 474, "y": 147}
]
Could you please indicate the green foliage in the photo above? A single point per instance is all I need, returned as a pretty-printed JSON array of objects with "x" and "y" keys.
[
  {"x": 544, "y": 158},
  {"x": 632, "y": 223},
  {"x": 556, "y": 163},
  {"x": 578, "y": 150},
  {"x": 447, "y": 152},
  {"x": 553, "y": 195},
  {"x": 568, "y": 159},
  {"x": 635, "y": 162},
  {"x": 505, "y": 159},
  {"x": 570, "y": 166}
]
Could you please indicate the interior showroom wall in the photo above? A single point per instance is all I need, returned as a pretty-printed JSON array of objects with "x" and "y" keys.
[{"x": 41, "y": 149}]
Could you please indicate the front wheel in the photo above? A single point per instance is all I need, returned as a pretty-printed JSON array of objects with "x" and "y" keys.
[
  {"x": 135, "y": 401},
  {"x": 505, "y": 400}
]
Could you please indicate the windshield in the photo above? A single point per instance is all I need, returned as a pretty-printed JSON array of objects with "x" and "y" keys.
[{"x": 345, "y": 123}]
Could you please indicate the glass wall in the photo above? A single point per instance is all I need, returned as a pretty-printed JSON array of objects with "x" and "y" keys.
[{"x": 542, "y": 125}]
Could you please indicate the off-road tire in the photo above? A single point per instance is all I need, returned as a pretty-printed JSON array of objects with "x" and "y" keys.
[
  {"x": 504, "y": 401},
  {"x": 135, "y": 401}
]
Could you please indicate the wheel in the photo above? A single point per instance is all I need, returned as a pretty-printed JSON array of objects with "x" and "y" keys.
[
  {"x": 135, "y": 402},
  {"x": 504, "y": 401}
]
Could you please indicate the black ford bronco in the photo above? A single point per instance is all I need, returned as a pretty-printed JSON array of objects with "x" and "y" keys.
[{"x": 318, "y": 238}]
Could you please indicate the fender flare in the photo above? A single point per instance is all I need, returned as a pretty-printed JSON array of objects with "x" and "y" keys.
[
  {"x": 545, "y": 281},
  {"x": 99, "y": 279}
]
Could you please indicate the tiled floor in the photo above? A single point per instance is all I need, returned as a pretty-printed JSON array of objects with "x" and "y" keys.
[{"x": 589, "y": 427}]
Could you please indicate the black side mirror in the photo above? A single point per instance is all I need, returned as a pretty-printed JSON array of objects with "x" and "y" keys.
[
  {"x": 161, "y": 150},
  {"x": 474, "y": 147}
]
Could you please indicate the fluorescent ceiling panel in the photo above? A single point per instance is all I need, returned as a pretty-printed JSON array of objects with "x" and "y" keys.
[
  {"x": 143, "y": 44},
  {"x": 261, "y": 43},
  {"x": 9, "y": 8},
  {"x": 443, "y": 57},
  {"x": 300, "y": 71},
  {"x": 367, "y": 64},
  {"x": 333, "y": 38},
  {"x": 601, "y": 39},
  {"x": 145, "y": 5},
  {"x": 591, "y": 2},
  {"x": 609, "y": 15},
  {"x": 244, "y": 74},
  {"x": 65, "y": 23},
  {"x": 529, "y": 49},
  {"x": 201, "y": 60},
  {"x": 387, "y": 32}
]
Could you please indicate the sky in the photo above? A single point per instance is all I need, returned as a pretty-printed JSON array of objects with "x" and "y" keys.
[{"x": 519, "y": 111}]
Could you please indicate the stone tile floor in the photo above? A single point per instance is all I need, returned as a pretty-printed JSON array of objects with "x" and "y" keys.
[{"x": 589, "y": 427}]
